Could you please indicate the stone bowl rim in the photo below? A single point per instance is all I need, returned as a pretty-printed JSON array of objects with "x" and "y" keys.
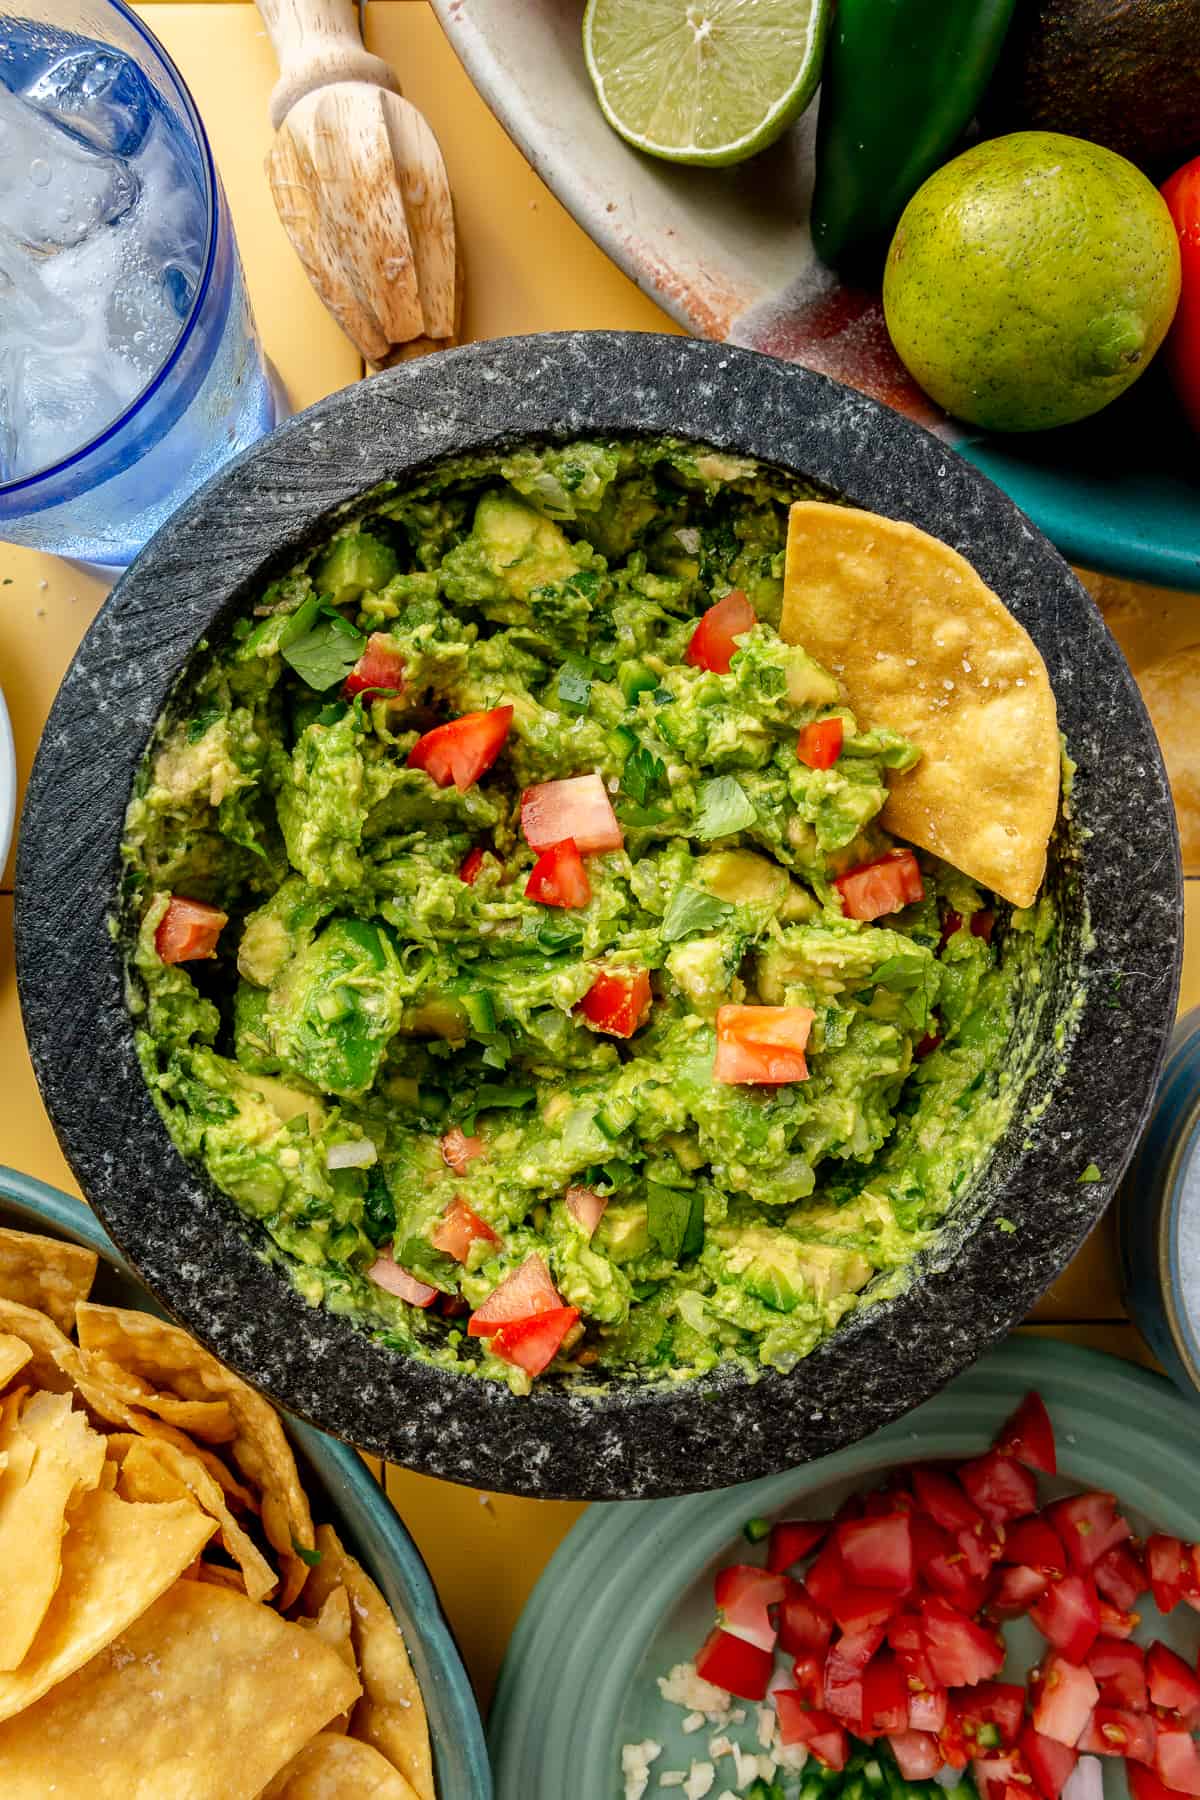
[{"x": 629, "y": 1439}]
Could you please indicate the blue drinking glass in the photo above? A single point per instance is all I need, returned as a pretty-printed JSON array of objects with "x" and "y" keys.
[{"x": 130, "y": 366}]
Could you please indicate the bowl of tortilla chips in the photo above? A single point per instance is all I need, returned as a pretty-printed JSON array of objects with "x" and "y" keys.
[
  {"x": 721, "y": 1305},
  {"x": 184, "y": 1608}
]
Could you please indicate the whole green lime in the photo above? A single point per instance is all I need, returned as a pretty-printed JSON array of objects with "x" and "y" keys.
[{"x": 1031, "y": 280}]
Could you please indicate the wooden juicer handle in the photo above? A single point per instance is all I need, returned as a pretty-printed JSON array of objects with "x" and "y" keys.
[{"x": 317, "y": 42}]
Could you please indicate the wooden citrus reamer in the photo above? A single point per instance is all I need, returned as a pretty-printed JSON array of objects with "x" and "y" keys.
[{"x": 360, "y": 185}]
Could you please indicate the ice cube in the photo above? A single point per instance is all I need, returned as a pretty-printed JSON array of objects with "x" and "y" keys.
[
  {"x": 56, "y": 404},
  {"x": 55, "y": 191},
  {"x": 172, "y": 217},
  {"x": 100, "y": 95}
]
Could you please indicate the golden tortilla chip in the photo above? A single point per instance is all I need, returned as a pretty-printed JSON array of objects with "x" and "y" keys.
[
  {"x": 208, "y": 1419},
  {"x": 53, "y": 1455},
  {"x": 206, "y": 1697},
  {"x": 117, "y": 1560},
  {"x": 152, "y": 1469},
  {"x": 923, "y": 645},
  {"x": 332, "y": 1626},
  {"x": 1171, "y": 690},
  {"x": 168, "y": 1359},
  {"x": 14, "y": 1354},
  {"x": 45, "y": 1274},
  {"x": 333, "y": 1768},
  {"x": 391, "y": 1713}
]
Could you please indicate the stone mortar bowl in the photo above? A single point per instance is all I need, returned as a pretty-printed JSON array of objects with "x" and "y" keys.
[{"x": 1089, "y": 1076}]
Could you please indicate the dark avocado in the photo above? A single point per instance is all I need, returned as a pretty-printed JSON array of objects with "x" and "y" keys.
[{"x": 1124, "y": 73}]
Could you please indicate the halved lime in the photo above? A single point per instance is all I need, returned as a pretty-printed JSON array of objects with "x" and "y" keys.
[{"x": 704, "y": 81}]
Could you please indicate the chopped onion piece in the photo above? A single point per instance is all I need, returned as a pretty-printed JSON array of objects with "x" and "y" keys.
[
  {"x": 359, "y": 1154},
  {"x": 387, "y": 1274}
]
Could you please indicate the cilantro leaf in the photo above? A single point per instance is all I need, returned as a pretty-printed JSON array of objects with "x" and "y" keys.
[
  {"x": 324, "y": 655},
  {"x": 310, "y": 1558},
  {"x": 900, "y": 972},
  {"x": 691, "y": 909},
  {"x": 202, "y": 723},
  {"x": 574, "y": 685},
  {"x": 490, "y": 1094},
  {"x": 675, "y": 1219},
  {"x": 724, "y": 808},
  {"x": 642, "y": 773}
]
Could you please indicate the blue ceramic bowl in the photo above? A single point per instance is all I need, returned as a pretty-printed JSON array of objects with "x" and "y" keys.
[
  {"x": 342, "y": 1491},
  {"x": 1159, "y": 1216}
]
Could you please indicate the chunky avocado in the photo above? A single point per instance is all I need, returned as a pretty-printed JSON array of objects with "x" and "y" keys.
[
  {"x": 403, "y": 1031},
  {"x": 1126, "y": 76},
  {"x": 354, "y": 565}
]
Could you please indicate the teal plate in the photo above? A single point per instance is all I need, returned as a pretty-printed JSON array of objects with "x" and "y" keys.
[
  {"x": 342, "y": 1491},
  {"x": 629, "y": 1592}
]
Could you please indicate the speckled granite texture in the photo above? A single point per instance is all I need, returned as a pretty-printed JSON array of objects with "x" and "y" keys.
[{"x": 188, "y": 1241}]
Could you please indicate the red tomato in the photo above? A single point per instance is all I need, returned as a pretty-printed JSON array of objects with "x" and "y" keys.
[
  {"x": 843, "y": 1695},
  {"x": 1068, "y": 1614},
  {"x": 733, "y": 1664},
  {"x": 387, "y": 1274},
  {"x": 577, "y": 808},
  {"x": 877, "y": 1552},
  {"x": 906, "y": 1635},
  {"x": 942, "y": 1565},
  {"x": 1144, "y": 1785},
  {"x": 763, "y": 1045},
  {"x": 983, "y": 923},
  {"x": 586, "y": 1207},
  {"x": 533, "y": 1343},
  {"x": 1028, "y": 1434},
  {"x": 1119, "y": 1669},
  {"x": 791, "y": 1540},
  {"x": 1121, "y": 1576},
  {"x": 188, "y": 930},
  {"x": 1000, "y": 1487},
  {"x": 457, "y": 1230},
  {"x": 1066, "y": 1695},
  {"x": 859, "y": 1610},
  {"x": 526, "y": 1291},
  {"x": 916, "y": 1753},
  {"x": 928, "y": 1710},
  {"x": 463, "y": 750},
  {"x": 1089, "y": 1526},
  {"x": 854, "y": 1649},
  {"x": 1176, "y": 1760},
  {"x": 1037, "y": 1545},
  {"x": 469, "y": 867},
  {"x": 1182, "y": 195},
  {"x": 1169, "y": 1568},
  {"x": 616, "y": 1002},
  {"x": 743, "y": 1594},
  {"x": 820, "y": 743},
  {"x": 459, "y": 1150},
  {"x": 808, "y": 1673},
  {"x": 380, "y": 666},
  {"x": 885, "y": 1695},
  {"x": 558, "y": 877},
  {"x": 804, "y": 1627},
  {"x": 818, "y": 1731},
  {"x": 991, "y": 1713},
  {"x": 1016, "y": 1592},
  {"x": 713, "y": 643},
  {"x": 826, "y": 1578},
  {"x": 940, "y": 1495},
  {"x": 1117, "y": 1624},
  {"x": 996, "y": 1777},
  {"x": 886, "y": 885},
  {"x": 1171, "y": 1683},
  {"x": 1112, "y": 1731},
  {"x": 1049, "y": 1762},
  {"x": 960, "y": 1652}
]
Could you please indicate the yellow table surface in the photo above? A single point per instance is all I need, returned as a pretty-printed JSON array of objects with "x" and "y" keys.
[{"x": 528, "y": 268}]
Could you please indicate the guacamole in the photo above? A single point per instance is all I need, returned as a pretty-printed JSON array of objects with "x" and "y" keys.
[{"x": 483, "y": 1011}]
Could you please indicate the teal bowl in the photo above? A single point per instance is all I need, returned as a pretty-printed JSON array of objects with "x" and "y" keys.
[{"x": 342, "y": 1491}]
